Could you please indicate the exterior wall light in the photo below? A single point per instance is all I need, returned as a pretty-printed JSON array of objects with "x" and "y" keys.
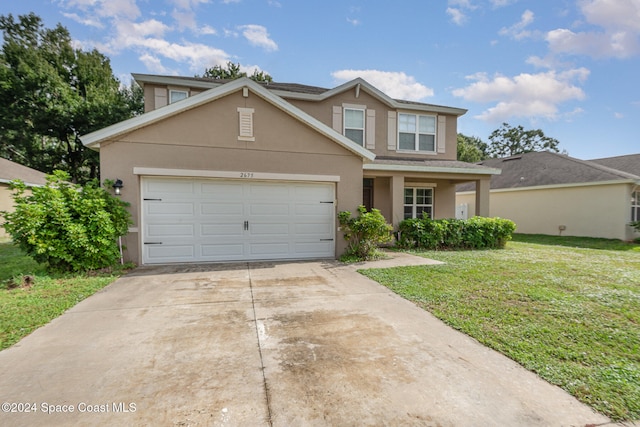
[{"x": 117, "y": 187}]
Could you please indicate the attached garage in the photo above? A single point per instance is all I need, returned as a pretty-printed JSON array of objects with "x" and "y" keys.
[
  {"x": 232, "y": 174},
  {"x": 203, "y": 220}
]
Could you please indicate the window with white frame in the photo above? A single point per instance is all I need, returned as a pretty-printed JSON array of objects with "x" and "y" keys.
[
  {"x": 416, "y": 133},
  {"x": 635, "y": 206},
  {"x": 177, "y": 95},
  {"x": 354, "y": 125},
  {"x": 418, "y": 202}
]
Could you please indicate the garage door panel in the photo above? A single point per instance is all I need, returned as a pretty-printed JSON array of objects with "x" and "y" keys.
[
  {"x": 273, "y": 250},
  {"x": 199, "y": 219},
  {"x": 169, "y": 186},
  {"x": 170, "y": 253},
  {"x": 226, "y": 230},
  {"x": 222, "y": 190},
  {"x": 313, "y": 248},
  {"x": 262, "y": 191},
  {"x": 322, "y": 230},
  {"x": 222, "y": 252},
  {"x": 276, "y": 230},
  {"x": 268, "y": 209},
  {"x": 169, "y": 208},
  {"x": 317, "y": 193},
  {"x": 171, "y": 230},
  {"x": 214, "y": 209}
]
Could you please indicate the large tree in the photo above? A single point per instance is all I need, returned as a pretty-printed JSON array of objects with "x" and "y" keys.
[
  {"x": 471, "y": 149},
  {"x": 509, "y": 141},
  {"x": 232, "y": 71},
  {"x": 52, "y": 93}
]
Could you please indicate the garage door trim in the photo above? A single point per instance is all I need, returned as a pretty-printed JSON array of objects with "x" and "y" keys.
[{"x": 248, "y": 175}]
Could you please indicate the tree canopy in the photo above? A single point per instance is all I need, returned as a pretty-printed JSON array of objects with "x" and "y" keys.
[
  {"x": 509, "y": 141},
  {"x": 472, "y": 149},
  {"x": 52, "y": 94},
  {"x": 232, "y": 71}
]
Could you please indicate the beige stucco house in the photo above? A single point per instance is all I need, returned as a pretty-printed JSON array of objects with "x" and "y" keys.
[
  {"x": 8, "y": 172},
  {"x": 554, "y": 194},
  {"x": 239, "y": 170}
]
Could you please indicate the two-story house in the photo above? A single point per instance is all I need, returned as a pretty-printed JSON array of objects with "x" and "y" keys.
[{"x": 238, "y": 170}]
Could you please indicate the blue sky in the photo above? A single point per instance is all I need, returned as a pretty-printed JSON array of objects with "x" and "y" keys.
[{"x": 568, "y": 67}]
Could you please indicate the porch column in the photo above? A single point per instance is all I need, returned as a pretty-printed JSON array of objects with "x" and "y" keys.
[
  {"x": 482, "y": 197},
  {"x": 397, "y": 199}
]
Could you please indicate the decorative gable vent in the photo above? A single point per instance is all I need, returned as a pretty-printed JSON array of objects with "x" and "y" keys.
[{"x": 245, "y": 116}]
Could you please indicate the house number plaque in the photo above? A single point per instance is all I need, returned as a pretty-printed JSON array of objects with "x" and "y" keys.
[{"x": 246, "y": 174}]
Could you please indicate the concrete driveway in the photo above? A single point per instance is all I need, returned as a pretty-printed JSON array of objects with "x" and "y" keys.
[{"x": 282, "y": 344}]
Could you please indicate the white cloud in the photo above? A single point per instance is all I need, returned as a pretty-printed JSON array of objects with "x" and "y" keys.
[
  {"x": 354, "y": 22},
  {"x": 258, "y": 36},
  {"x": 153, "y": 64},
  {"x": 90, "y": 22},
  {"x": 621, "y": 44},
  {"x": 525, "y": 95},
  {"x": 518, "y": 30},
  {"x": 394, "y": 84},
  {"x": 274, "y": 3},
  {"x": 188, "y": 4},
  {"x": 502, "y": 3},
  {"x": 617, "y": 35},
  {"x": 185, "y": 19},
  {"x": 618, "y": 115},
  {"x": 207, "y": 29},
  {"x": 457, "y": 16}
]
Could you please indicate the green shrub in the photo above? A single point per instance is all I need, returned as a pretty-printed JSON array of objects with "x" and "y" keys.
[
  {"x": 364, "y": 232},
  {"x": 66, "y": 226},
  {"x": 474, "y": 233}
]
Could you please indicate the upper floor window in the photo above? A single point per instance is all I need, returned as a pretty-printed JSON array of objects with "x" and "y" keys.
[
  {"x": 635, "y": 206},
  {"x": 416, "y": 132},
  {"x": 177, "y": 95},
  {"x": 354, "y": 125}
]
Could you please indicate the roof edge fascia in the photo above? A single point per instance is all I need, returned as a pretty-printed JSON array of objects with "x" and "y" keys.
[
  {"x": 415, "y": 168},
  {"x": 171, "y": 81}
]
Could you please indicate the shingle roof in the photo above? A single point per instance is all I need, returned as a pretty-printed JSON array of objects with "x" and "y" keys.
[
  {"x": 546, "y": 168},
  {"x": 294, "y": 88},
  {"x": 11, "y": 170},
  {"x": 629, "y": 163}
]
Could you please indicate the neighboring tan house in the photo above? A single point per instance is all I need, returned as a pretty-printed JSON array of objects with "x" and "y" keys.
[
  {"x": 554, "y": 194},
  {"x": 239, "y": 170},
  {"x": 8, "y": 172}
]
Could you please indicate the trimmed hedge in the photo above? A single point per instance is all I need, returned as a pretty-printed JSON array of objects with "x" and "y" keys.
[{"x": 474, "y": 233}]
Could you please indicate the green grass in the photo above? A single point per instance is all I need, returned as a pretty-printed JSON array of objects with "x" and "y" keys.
[
  {"x": 570, "y": 314},
  {"x": 23, "y": 309}
]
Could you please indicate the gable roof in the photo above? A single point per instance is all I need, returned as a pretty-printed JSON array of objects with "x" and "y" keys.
[
  {"x": 629, "y": 163},
  {"x": 93, "y": 140},
  {"x": 11, "y": 170},
  {"x": 548, "y": 169},
  {"x": 302, "y": 92}
]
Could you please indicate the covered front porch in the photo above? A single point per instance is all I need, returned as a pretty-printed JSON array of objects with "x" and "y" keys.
[{"x": 407, "y": 188}]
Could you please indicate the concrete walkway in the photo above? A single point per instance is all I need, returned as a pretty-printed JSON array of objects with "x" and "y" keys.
[{"x": 282, "y": 344}]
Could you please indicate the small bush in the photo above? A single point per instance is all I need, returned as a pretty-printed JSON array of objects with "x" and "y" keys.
[
  {"x": 364, "y": 232},
  {"x": 66, "y": 226},
  {"x": 474, "y": 233}
]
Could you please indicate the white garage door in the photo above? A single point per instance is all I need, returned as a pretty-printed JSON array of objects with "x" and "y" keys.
[{"x": 199, "y": 220}]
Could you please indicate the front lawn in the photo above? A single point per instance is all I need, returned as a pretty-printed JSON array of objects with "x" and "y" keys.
[
  {"x": 26, "y": 303},
  {"x": 570, "y": 314}
]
